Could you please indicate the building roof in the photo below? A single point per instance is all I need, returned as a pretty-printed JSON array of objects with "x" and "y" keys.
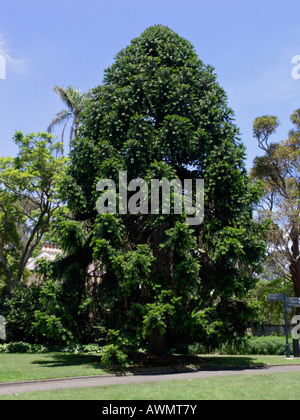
[{"x": 48, "y": 252}]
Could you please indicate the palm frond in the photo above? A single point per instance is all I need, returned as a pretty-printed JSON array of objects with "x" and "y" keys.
[
  {"x": 75, "y": 102},
  {"x": 67, "y": 96},
  {"x": 60, "y": 118}
]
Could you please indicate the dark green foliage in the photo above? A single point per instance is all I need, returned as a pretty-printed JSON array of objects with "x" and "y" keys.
[
  {"x": 18, "y": 347},
  {"x": 265, "y": 345},
  {"x": 66, "y": 304},
  {"x": 19, "y": 313},
  {"x": 23, "y": 347},
  {"x": 161, "y": 114}
]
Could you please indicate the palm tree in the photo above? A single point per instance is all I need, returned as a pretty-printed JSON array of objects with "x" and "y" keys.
[{"x": 75, "y": 102}]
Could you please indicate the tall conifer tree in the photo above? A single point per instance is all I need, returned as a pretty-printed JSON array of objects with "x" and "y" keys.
[{"x": 160, "y": 113}]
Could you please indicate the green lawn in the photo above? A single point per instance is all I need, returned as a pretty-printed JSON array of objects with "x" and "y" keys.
[
  {"x": 20, "y": 367},
  {"x": 24, "y": 367},
  {"x": 281, "y": 386}
]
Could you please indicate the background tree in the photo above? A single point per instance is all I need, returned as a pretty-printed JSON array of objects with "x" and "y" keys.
[
  {"x": 19, "y": 313},
  {"x": 161, "y": 114},
  {"x": 279, "y": 170},
  {"x": 269, "y": 313},
  {"x": 28, "y": 199},
  {"x": 75, "y": 102}
]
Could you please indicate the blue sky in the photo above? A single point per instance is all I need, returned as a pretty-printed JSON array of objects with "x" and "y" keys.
[{"x": 46, "y": 43}]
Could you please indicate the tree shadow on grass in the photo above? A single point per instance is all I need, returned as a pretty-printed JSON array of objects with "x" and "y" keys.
[
  {"x": 67, "y": 360},
  {"x": 178, "y": 362},
  {"x": 230, "y": 362},
  {"x": 151, "y": 363}
]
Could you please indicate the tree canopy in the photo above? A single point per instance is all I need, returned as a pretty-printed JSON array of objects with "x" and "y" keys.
[
  {"x": 28, "y": 199},
  {"x": 279, "y": 170},
  {"x": 160, "y": 114}
]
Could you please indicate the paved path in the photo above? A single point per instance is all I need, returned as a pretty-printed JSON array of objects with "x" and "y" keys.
[{"x": 104, "y": 380}]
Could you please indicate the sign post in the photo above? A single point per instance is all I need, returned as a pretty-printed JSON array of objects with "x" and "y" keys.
[
  {"x": 276, "y": 297},
  {"x": 289, "y": 302},
  {"x": 282, "y": 297},
  {"x": 288, "y": 353},
  {"x": 294, "y": 302}
]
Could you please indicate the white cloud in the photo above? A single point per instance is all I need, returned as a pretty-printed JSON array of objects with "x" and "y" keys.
[{"x": 18, "y": 65}]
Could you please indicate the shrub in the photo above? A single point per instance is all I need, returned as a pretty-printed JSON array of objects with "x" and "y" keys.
[
  {"x": 112, "y": 355},
  {"x": 265, "y": 345},
  {"x": 21, "y": 347},
  {"x": 18, "y": 347},
  {"x": 19, "y": 313},
  {"x": 197, "y": 348},
  {"x": 270, "y": 345}
]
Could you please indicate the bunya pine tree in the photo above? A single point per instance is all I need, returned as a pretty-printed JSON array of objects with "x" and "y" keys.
[{"x": 161, "y": 114}]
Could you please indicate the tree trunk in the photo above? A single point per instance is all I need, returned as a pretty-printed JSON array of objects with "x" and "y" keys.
[
  {"x": 10, "y": 278},
  {"x": 295, "y": 265},
  {"x": 157, "y": 343},
  {"x": 163, "y": 267},
  {"x": 296, "y": 280}
]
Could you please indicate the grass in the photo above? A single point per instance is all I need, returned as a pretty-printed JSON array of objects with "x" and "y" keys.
[
  {"x": 24, "y": 367},
  {"x": 281, "y": 386},
  {"x": 21, "y": 367},
  {"x": 247, "y": 361}
]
